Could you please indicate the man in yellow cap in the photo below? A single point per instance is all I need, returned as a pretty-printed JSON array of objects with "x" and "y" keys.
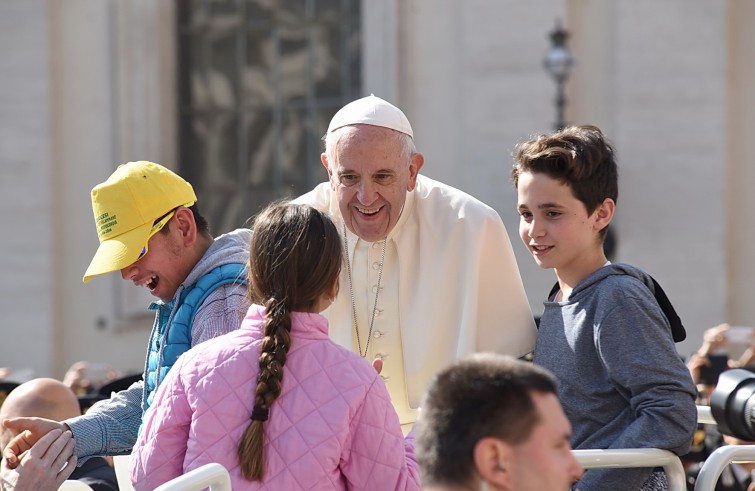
[
  {"x": 151, "y": 231},
  {"x": 430, "y": 274}
]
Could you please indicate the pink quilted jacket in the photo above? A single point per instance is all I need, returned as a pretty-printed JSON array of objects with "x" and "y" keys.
[{"x": 332, "y": 427}]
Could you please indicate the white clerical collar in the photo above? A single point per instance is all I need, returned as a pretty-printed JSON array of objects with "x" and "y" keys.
[{"x": 406, "y": 211}]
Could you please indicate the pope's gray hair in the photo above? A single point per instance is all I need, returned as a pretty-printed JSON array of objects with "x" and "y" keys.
[{"x": 408, "y": 148}]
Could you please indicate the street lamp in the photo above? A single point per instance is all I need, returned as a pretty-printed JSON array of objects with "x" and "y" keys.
[{"x": 558, "y": 61}]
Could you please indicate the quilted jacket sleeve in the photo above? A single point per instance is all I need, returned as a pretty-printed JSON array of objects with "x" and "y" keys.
[
  {"x": 376, "y": 456},
  {"x": 159, "y": 452}
]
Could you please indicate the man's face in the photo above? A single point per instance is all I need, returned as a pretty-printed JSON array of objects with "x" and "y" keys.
[
  {"x": 370, "y": 177},
  {"x": 161, "y": 270},
  {"x": 545, "y": 460}
]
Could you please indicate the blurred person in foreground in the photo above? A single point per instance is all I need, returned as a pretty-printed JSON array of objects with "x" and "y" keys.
[{"x": 492, "y": 422}]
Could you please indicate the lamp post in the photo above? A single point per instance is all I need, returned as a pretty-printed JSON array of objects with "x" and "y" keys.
[{"x": 558, "y": 61}]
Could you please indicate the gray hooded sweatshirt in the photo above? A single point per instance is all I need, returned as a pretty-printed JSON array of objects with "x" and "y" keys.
[{"x": 621, "y": 381}]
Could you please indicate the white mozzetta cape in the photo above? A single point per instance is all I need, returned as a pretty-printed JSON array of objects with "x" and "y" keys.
[{"x": 459, "y": 288}]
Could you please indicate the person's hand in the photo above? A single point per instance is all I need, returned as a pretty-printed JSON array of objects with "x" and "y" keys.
[
  {"x": 696, "y": 362},
  {"x": 44, "y": 467},
  {"x": 27, "y": 431},
  {"x": 713, "y": 339},
  {"x": 695, "y": 365}
]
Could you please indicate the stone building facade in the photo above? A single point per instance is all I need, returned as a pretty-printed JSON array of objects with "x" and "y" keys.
[{"x": 88, "y": 84}]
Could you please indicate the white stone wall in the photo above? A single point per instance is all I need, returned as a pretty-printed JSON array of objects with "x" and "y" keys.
[
  {"x": 74, "y": 107},
  {"x": 739, "y": 200},
  {"x": 88, "y": 84},
  {"x": 651, "y": 74},
  {"x": 670, "y": 136},
  {"x": 87, "y": 125},
  {"x": 26, "y": 187},
  {"x": 473, "y": 85}
]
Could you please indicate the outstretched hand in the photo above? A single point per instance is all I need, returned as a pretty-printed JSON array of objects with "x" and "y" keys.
[
  {"x": 27, "y": 431},
  {"x": 45, "y": 466}
]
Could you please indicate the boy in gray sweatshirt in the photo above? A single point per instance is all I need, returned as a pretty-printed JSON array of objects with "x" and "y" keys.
[{"x": 606, "y": 330}]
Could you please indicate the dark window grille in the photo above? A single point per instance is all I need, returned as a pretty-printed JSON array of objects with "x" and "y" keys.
[{"x": 258, "y": 83}]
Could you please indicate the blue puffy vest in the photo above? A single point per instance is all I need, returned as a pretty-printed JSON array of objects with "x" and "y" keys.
[{"x": 171, "y": 332}]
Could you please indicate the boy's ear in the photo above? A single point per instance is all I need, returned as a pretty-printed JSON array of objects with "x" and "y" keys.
[{"x": 604, "y": 213}]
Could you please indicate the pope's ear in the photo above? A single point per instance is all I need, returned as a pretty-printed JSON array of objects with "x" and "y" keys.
[
  {"x": 324, "y": 160},
  {"x": 418, "y": 160}
]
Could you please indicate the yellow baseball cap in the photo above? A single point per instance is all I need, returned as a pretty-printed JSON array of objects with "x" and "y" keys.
[{"x": 125, "y": 208}]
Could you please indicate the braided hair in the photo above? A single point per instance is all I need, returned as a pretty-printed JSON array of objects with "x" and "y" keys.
[{"x": 295, "y": 256}]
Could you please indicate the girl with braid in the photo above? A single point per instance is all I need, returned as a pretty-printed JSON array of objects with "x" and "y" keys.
[{"x": 276, "y": 402}]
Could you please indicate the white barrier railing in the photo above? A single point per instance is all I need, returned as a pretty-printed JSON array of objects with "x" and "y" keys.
[
  {"x": 704, "y": 415},
  {"x": 718, "y": 460},
  {"x": 213, "y": 476},
  {"x": 121, "y": 464},
  {"x": 721, "y": 457},
  {"x": 74, "y": 485},
  {"x": 216, "y": 477},
  {"x": 636, "y": 457}
]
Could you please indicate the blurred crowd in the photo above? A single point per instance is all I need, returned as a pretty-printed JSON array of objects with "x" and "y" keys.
[{"x": 723, "y": 348}]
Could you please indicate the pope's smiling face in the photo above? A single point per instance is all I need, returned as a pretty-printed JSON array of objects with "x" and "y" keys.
[{"x": 370, "y": 173}]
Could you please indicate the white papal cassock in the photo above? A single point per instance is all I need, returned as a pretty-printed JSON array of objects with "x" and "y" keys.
[{"x": 450, "y": 286}]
